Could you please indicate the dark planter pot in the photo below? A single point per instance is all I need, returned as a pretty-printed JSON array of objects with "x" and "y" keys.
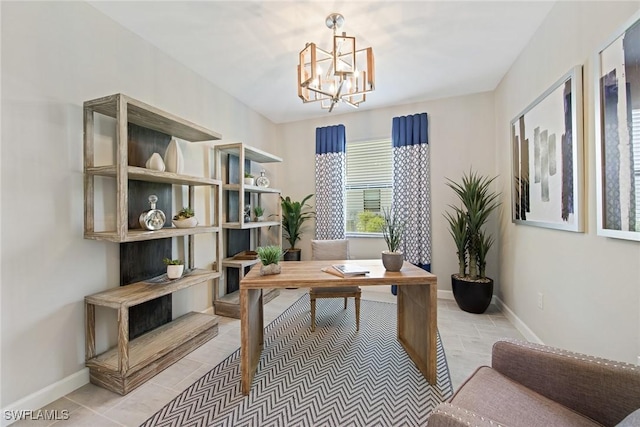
[
  {"x": 472, "y": 296},
  {"x": 292, "y": 255}
]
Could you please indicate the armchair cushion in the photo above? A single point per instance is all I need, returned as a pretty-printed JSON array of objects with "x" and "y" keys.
[
  {"x": 492, "y": 395},
  {"x": 330, "y": 249}
]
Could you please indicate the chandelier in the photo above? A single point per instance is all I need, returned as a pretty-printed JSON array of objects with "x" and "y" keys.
[{"x": 341, "y": 75}]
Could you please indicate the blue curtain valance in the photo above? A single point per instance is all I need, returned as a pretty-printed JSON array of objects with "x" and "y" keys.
[
  {"x": 330, "y": 139},
  {"x": 410, "y": 130}
]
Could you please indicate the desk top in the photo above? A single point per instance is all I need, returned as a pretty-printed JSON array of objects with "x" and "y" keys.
[{"x": 302, "y": 274}]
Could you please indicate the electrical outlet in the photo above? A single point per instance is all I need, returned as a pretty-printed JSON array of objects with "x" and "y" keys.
[{"x": 540, "y": 300}]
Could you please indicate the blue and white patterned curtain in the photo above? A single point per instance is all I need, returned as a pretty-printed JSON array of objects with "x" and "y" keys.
[
  {"x": 411, "y": 199},
  {"x": 331, "y": 172}
]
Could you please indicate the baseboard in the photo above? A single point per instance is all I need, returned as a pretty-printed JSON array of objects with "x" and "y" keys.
[
  {"x": 517, "y": 322},
  {"x": 443, "y": 294},
  {"x": 45, "y": 396}
]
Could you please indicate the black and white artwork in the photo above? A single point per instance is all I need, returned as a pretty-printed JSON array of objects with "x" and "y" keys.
[
  {"x": 546, "y": 143},
  {"x": 618, "y": 134}
]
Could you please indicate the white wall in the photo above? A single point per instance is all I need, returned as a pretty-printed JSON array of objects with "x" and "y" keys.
[
  {"x": 56, "y": 55},
  {"x": 461, "y": 135},
  {"x": 591, "y": 284}
]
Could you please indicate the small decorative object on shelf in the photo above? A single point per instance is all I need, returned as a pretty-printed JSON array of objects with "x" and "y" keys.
[
  {"x": 248, "y": 179},
  {"x": 259, "y": 212},
  {"x": 155, "y": 162},
  {"x": 153, "y": 219},
  {"x": 262, "y": 180},
  {"x": 247, "y": 213},
  {"x": 175, "y": 268},
  {"x": 185, "y": 218},
  {"x": 173, "y": 159},
  {"x": 269, "y": 257}
]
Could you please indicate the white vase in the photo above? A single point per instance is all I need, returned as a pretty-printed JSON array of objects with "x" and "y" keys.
[
  {"x": 185, "y": 223},
  {"x": 173, "y": 159},
  {"x": 249, "y": 181},
  {"x": 155, "y": 163},
  {"x": 175, "y": 271}
]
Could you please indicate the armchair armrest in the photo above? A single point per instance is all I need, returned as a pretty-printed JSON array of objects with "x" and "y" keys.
[
  {"x": 449, "y": 415},
  {"x": 604, "y": 390}
]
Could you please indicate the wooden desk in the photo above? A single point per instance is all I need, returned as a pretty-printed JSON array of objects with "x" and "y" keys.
[{"x": 417, "y": 301}]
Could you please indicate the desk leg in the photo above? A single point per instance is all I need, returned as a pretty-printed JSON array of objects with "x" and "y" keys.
[
  {"x": 252, "y": 331},
  {"x": 417, "y": 326}
]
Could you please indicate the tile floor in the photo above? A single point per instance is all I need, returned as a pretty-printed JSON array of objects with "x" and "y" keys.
[{"x": 467, "y": 340}]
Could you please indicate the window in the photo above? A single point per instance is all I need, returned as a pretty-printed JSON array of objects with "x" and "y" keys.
[{"x": 369, "y": 185}]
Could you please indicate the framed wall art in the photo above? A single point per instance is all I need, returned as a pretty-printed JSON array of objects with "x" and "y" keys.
[
  {"x": 617, "y": 120},
  {"x": 547, "y": 153}
]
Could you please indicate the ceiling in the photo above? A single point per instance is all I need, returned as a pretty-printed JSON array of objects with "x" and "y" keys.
[{"x": 424, "y": 49}]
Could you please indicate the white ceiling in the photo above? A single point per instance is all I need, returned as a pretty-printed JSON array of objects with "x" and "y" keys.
[{"x": 423, "y": 49}]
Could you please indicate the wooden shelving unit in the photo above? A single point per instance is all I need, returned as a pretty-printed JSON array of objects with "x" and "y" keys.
[
  {"x": 132, "y": 362},
  {"x": 228, "y": 305}
]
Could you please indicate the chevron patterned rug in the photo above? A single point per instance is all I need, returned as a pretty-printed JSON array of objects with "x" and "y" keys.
[{"x": 335, "y": 376}]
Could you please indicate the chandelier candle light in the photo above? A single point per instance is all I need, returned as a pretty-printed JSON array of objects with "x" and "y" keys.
[{"x": 342, "y": 75}]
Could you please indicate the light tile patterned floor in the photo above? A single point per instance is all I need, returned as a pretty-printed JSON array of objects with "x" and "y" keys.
[{"x": 467, "y": 340}]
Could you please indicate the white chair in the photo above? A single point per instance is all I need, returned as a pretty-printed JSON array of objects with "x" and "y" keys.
[{"x": 335, "y": 250}]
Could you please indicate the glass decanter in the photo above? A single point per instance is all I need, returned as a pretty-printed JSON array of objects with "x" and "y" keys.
[
  {"x": 153, "y": 219},
  {"x": 262, "y": 181}
]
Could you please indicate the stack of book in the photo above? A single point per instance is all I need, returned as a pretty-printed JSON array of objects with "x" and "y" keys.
[{"x": 346, "y": 270}]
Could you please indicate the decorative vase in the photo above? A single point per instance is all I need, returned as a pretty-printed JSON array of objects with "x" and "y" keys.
[
  {"x": 155, "y": 163},
  {"x": 175, "y": 271},
  {"x": 266, "y": 270},
  {"x": 249, "y": 181},
  {"x": 262, "y": 180},
  {"x": 292, "y": 255},
  {"x": 259, "y": 218},
  {"x": 392, "y": 261},
  {"x": 186, "y": 222},
  {"x": 472, "y": 296},
  {"x": 153, "y": 219},
  {"x": 173, "y": 160}
]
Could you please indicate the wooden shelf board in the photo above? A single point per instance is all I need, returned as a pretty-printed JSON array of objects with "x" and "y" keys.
[
  {"x": 155, "y": 344},
  {"x": 150, "y": 117},
  {"x": 251, "y": 189},
  {"x": 137, "y": 293},
  {"x": 239, "y": 263},
  {"x": 250, "y": 153},
  {"x": 229, "y": 305},
  {"x": 247, "y": 225},
  {"x": 135, "y": 173},
  {"x": 139, "y": 235}
]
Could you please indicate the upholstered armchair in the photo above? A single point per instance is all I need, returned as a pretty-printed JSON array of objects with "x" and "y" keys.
[{"x": 536, "y": 385}]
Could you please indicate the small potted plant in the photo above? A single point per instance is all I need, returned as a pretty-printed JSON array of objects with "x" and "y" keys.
[
  {"x": 269, "y": 257},
  {"x": 472, "y": 289},
  {"x": 392, "y": 230},
  {"x": 259, "y": 212},
  {"x": 185, "y": 218},
  {"x": 248, "y": 179},
  {"x": 175, "y": 268}
]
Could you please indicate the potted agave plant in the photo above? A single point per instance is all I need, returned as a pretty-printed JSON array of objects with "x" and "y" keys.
[
  {"x": 472, "y": 289},
  {"x": 175, "y": 268},
  {"x": 392, "y": 230},
  {"x": 294, "y": 215},
  {"x": 270, "y": 258},
  {"x": 185, "y": 218}
]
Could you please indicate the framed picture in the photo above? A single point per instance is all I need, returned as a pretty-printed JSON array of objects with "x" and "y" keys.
[
  {"x": 547, "y": 165},
  {"x": 617, "y": 119}
]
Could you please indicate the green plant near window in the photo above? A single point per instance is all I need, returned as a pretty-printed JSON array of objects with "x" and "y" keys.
[
  {"x": 258, "y": 211},
  {"x": 369, "y": 222},
  {"x": 294, "y": 215},
  {"x": 392, "y": 230},
  {"x": 269, "y": 254},
  {"x": 248, "y": 175},
  {"x": 168, "y": 261},
  {"x": 466, "y": 223}
]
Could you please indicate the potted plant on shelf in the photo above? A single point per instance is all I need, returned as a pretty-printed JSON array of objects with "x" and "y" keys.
[
  {"x": 259, "y": 213},
  {"x": 392, "y": 229},
  {"x": 175, "y": 268},
  {"x": 248, "y": 179},
  {"x": 269, "y": 257},
  {"x": 294, "y": 214},
  {"x": 185, "y": 218},
  {"x": 472, "y": 289}
]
